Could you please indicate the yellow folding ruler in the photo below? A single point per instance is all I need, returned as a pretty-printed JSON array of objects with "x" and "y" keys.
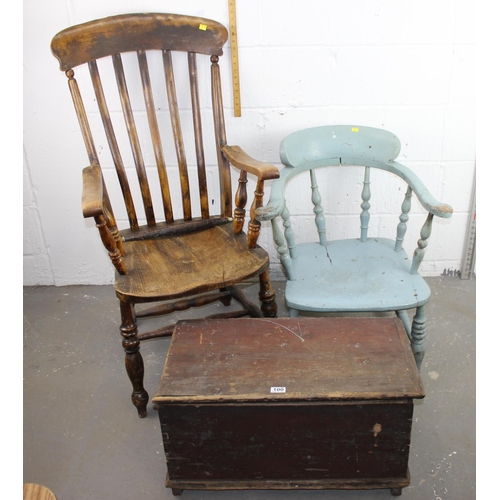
[{"x": 233, "y": 39}]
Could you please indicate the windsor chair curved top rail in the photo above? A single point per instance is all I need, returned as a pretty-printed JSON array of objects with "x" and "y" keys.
[
  {"x": 129, "y": 32},
  {"x": 337, "y": 145},
  {"x": 318, "y": 146}
]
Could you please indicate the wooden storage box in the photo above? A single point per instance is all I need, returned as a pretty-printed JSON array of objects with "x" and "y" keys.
[{"x": 316, "y": 403}]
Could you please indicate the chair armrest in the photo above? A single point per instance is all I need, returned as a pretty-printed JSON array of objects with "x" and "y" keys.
[
  {"x": 94, "y": 198},
  {"x": 270, "y": 211},
  {"x": 238, "y": 158},
  {"x": 424, "y": 196},
  {"x": 263, "y": 171},
  {"x": 276, "y": 202},
  {"x": 92, "y": 192}
]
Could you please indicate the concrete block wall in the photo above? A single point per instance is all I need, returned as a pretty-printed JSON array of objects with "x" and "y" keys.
[{"x": 404, "y": 66}]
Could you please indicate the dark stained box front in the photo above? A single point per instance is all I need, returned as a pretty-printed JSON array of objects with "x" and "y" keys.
[{"x": 287, "y": 403}]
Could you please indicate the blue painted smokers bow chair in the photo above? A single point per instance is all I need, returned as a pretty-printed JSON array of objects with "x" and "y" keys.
[{"x": 364, "y": 274}]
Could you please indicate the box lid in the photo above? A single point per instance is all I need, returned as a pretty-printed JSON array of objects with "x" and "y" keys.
[{"x": 289, "y": 359}]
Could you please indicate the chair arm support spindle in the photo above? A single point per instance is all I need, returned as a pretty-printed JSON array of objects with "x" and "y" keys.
[
  {"x": 289, "y": 234},
  {"x": 418, "y": 255},
  {"x": 240, "y": 202},
  {"x": 254, "y": 224},
  {"x": 422, "y": 193},
  {"x": 109, "y": 241},
  {"x": 283, "y": 250},
  {"x": 403, "y": 219},
  {"x": 95, "y": 203},
  {"x": 263, "y": 171}
]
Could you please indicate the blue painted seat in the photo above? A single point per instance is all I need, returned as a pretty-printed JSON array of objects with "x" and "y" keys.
[{"x": 364, "y": 274}]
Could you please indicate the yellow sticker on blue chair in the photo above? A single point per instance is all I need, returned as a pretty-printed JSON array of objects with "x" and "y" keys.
[
  {"x": 354, "y": 129},
  {"x": 202, "y": 27}
]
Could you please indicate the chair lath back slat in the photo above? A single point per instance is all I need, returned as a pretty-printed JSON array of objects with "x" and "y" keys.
[
  {"x": 113, "y": 144},
  {"x": 177, "y": 131},
  {"x": 155, "y": 135},
  {"x": 198, "y": 135},
  {"x": 141, "y": 33},
  {"x": 134, "y": 139}
]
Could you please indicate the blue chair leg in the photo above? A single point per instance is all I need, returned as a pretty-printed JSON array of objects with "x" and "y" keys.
[
  {"x": 294, "y": 313},
  {"x": 403, "y": 316},
  {"x": 418, "y": 333}
]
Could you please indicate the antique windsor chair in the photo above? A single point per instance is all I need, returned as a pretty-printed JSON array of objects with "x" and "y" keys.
[
  {"x": 350, "y": 275},
  {"x": 196, "y": 251}
]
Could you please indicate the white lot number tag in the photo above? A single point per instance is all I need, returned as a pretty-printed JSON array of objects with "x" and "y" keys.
[{"x": 278, "y": 390}]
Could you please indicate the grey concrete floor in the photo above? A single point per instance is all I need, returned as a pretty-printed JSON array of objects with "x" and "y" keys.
[{"x": 83, "y": 439}]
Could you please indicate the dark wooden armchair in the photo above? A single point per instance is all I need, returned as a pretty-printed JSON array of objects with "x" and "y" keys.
[{"x": 191, "y": 257}]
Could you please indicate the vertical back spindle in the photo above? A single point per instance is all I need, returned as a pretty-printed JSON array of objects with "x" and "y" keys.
[
  {"x": 318, "y": 209},
  {"x": 365, "y": 206},
  {"x": 134, "y": 139},
  {"x": 82, "y": 117},
  {"x": 220, "y": 137}
]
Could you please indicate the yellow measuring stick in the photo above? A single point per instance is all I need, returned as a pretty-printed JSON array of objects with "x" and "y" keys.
[{"x": 233, "y": 39}]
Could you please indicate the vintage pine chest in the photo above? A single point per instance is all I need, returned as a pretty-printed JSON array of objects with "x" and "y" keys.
[{"x": 288, "y": 403}]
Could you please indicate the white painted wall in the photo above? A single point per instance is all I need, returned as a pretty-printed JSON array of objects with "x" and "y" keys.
[{"x": 401, "y": 65}]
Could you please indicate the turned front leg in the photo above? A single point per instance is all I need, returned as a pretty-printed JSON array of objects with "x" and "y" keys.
[
  {"x": 418, "y": 334},
  {"x": 267, "y": 296},
  {"x": 133, "y": 360}
]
